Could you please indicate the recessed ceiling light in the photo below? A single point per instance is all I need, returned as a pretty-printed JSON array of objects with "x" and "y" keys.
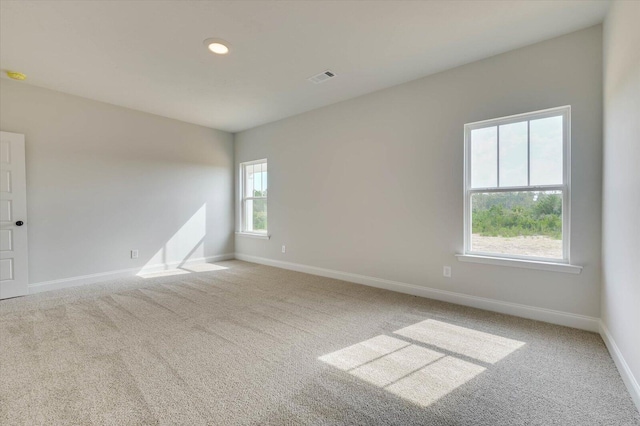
[{"x": 217, "y": 46}]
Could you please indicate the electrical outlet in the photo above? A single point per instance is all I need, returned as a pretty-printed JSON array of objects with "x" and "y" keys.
[
  {"x": 134, "y": 254},
  {"x": 446, "y": 271},
  {"x": 284, "y": 249}
]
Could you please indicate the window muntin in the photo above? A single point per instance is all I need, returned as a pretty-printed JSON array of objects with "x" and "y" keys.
[
  {"x": 517, "y": 186},
  {"x": 253, "y": 177}
]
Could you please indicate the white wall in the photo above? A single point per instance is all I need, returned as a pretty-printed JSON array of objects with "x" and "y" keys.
[
  {"x": 373, "y": 185},
  {"x": 103, "y": 180},
  {"x": 621, "y": 183}
]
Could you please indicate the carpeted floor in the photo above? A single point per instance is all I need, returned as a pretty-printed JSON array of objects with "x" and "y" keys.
[{"x": 250, "y": 344}]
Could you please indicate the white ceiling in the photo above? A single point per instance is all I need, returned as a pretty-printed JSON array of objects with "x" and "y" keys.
[{"x": 148, "y": 55}]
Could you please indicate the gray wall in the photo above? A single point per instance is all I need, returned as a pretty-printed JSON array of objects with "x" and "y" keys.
[
  {"x": 374, "y": 185},
  {"x": 621, "y": 188},
  {"x": 103, "y": 180}
]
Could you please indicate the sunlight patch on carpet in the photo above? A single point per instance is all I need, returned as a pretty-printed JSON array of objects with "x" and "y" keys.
[
  {"x": 421, "y": 374},
  {"x": 484, "y": 347},
  {"x": 363, "y": 352}
]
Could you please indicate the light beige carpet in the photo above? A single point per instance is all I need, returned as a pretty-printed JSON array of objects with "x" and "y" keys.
[{"x": 251, "y": 344}]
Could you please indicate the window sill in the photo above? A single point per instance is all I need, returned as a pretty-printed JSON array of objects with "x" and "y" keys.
[
  {"x": 254, "y": 235},
  {"x": 518, "y": 263}
]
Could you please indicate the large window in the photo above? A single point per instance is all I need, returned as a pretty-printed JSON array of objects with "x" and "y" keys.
[
  {"x": 517, "y": 186},
  {"x": 253, "y": 177}
]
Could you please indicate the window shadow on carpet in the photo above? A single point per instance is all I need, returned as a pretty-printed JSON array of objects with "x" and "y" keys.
[{"x": 425, "y": 361}]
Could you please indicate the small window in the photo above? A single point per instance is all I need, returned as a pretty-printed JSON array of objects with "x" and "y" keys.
[
  {"x": 253, "y": 178},
  {"x": 517, "y": 186}
]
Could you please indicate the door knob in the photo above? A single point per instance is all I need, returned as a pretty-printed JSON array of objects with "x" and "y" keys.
[{"x": 19, "y": 223}]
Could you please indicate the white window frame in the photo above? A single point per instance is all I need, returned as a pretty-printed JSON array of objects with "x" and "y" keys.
[
  {"x": 565, "y": 187},
  {"x": 243, "y": 202}
]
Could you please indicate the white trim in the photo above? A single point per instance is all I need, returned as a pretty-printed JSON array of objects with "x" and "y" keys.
[
  {"x": 565, "y": 187},
  {"x": 121, "y": 273},
  {"x": 623, "y": 368},
  {"x": 242, "y": 200},
  {"x": 531, "y": 312},
  {"x": 521, "y": 263},
  {"x": 531, "y": 188},
  {"x": 254, "y": 235},
  {"x": 534, "y": 115},
  {"x": 248, "y": 163}
]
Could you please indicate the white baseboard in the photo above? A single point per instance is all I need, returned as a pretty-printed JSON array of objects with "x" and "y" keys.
[
  {"x": 121, "y": 273},
  {"x": 625, "y": 372},
  {"x": 541, "y": 314}
]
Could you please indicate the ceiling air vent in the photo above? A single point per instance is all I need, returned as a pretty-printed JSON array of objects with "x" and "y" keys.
[{"x": 322, "y": 77}]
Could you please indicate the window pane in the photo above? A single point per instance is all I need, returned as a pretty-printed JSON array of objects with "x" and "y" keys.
[
  {"x": 257, "y": 180},
  {"x": 484, "y": 158},
  {"x": 259, "y": 217},
  {"x": 527, "y": 223},
  {"x": 248, "y": 215},
  {"x": 264, "y": 179},
  {"x": 513, "y": 154},
  {"x": 248, "y": 180},
  {"x": 546, "y": 151}
]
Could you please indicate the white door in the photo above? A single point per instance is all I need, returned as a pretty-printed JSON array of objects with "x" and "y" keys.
[{"x": 14, "y": 272}]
